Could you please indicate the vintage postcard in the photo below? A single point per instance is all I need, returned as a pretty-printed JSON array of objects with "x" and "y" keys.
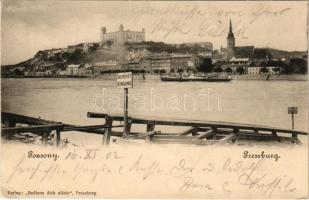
[{"x": 154, "y": 99}]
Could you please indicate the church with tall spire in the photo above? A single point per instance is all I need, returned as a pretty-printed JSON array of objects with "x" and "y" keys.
[
  {"x": 230, "y": 42},
  {"x": 230, "y": 37},
  {"x": 233, "y": 51}
]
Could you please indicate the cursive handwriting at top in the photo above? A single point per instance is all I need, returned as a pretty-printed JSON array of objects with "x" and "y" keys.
[
  {"x": 267, "y": 11},
  {"x": 168, "y": 27},
  {"x": 214, "y": 29},
  {"x": 183, "y": 11}
]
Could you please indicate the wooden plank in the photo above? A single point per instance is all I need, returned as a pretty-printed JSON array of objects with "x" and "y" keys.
[
  {"x": 97, "y": 115},
  {"x": 29, "y": 129},
  {"x": 182, "y": 141},
  {"x": 25, "y": 119},
  {"x": 140, "y": 135},
  {"x": 203, "y": 129},
  {"x": 265, "y": 137},
  {"x": 86, "y": 128},
  {"x": 188, "y": 131},
  {"x": 169, "y": 136},
  {"x": 207, "y": 134},
  {"x": 202, "y": 124},
  {"x": 227, "y": 139}
]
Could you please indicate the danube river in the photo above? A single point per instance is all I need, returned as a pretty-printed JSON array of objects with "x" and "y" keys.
[{"x": 249, "y": 102}]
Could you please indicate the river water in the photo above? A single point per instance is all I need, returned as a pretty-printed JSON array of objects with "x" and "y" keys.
[{"x": 240, "y": 101}]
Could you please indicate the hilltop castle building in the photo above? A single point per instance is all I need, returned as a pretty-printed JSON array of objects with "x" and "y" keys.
[{"x": 121, "y": 36}]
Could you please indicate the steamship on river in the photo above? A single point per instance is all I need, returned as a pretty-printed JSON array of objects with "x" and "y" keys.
[{"x": 204, "y": 77}]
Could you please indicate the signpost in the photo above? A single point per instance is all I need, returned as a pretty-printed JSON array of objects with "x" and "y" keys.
[
  {"x": 125, "y": 81},
  {"x": 292, "y": 111}
]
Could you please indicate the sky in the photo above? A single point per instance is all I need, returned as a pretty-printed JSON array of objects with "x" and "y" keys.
[{"x": 30, "y": 26}]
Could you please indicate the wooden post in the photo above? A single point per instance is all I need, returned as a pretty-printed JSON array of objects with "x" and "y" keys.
[
  {"x": 292, "y": 121},
  {"x": 194, "y": 132},
  {"x": 235, "y": 130},
  {"x": 107, "y": 131},
  {"x": 150, "y": 128},
  {"x": 128, "y": 127},
  {"x": 45, "y": 137},
  {"x": 58, "y": 138},
  {"x": 125, "y": 120}
]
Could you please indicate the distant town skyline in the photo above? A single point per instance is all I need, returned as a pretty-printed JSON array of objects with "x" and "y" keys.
[{"x": 30, "y": 26}]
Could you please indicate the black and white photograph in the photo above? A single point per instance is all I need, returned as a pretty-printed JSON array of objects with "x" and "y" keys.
[{"x": 154, "y": 99}]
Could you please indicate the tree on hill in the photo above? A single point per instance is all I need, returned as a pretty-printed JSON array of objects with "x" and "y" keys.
[
  {"x": 228, "y": 70},
  {"x": 298, "y": 65},
  {"x": 156, "y": 71},
  {"x": 277, "y": 69},
  {"x": 18, "y": 72},
  {"x": 288, "y": 69},
  {"x": 240, "y": 70},
  {"x": 218, "y": 69},
  {"x": 180, "y": 70},
  {"x": 264, "y": 70},
  {"x": 206, "y": 65},
  {"x": 157, "y": 47},
  {"x": 162, "y": 71},
  {"x": 77, "y": 57}
]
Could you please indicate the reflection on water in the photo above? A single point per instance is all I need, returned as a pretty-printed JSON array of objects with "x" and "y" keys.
[{"x": 250, "y": 102}]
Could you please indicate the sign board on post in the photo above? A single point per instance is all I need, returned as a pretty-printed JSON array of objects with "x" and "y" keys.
[
  {"x": 292, "y": 110},
  {"x": 125, "y": 80}
]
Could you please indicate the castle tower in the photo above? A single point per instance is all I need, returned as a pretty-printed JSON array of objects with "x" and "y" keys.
[
  {"x": 230, "y": 37},
  {"x": 103, "y": 30},
  {"x": 121, "y": 27}
]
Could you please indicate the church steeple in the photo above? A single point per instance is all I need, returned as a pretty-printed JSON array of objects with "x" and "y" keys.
[
  {"x": 231, "y": 29},
  {"x": 230, "y": 37}
]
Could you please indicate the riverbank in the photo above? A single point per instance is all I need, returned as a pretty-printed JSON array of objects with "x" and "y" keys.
[
  {"x": 113, "y": 76},
  {"x": 274, "y": 77}
]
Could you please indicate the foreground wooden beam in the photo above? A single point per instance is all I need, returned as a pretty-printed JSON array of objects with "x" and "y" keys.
[
  {"x": 88, "y": 128},
  {"x": 234, "y": 126},
  {"x": 182, "y": 141},
  {"x": 227, "y": 139},
  {"x": 190, "y": 130},
  {"x": 31, "y": 129},
  {"x": 5, "y": 116},
  {"x": 207, "y": 134}
]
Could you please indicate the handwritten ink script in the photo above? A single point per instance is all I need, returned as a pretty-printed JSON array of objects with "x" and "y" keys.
[
  {"x": 204, "y": 21},
  {"x": 97, "y": 172}
]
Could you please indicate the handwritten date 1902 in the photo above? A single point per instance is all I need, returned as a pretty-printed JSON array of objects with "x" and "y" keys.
[{"x": 91, "y": 154}]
